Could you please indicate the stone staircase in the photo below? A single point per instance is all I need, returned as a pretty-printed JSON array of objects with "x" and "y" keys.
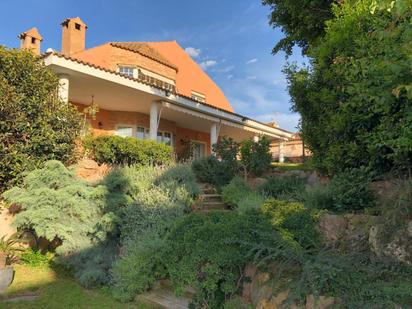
[
  {"x": 162, "y": 296},
  {"x": 209, "y": 200}
]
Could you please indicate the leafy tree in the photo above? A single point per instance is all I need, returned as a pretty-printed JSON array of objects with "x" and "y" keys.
[
  {"x": 355, "y": 99},
  {"x": 35, "y": 125},
  {"x": 255, "y": 157},
  {"x": 302, "y": 21}
]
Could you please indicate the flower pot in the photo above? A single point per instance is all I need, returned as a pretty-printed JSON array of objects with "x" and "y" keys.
[{"x": 6, "y": 277}]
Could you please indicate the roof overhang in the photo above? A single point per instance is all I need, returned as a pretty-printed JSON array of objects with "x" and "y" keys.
[{"x": 65, "y": 65}]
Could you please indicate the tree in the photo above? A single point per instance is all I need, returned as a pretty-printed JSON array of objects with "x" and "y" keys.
[
  {"x": 35, "y": 125},
  {"x": 302, "y": 21},
  {"x": 356, "y": 97}
]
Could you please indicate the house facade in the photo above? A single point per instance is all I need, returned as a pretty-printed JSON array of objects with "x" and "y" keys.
[{"x": 147, "y": 90}]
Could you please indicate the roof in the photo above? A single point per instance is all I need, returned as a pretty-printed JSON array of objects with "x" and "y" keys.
[
  {"x": 145, "y": 50},
  {"x": 191, "y": 76},
  {"x": 33, "y": 32}
]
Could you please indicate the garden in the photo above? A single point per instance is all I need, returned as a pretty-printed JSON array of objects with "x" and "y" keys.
[{"x": 335, "y": 232}]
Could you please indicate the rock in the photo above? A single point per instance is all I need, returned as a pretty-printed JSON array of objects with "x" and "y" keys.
[
  {"x": 250, "y": 274},
  {"x": 322, "y": 302},
  {"x": 91, "y": 171},
  {"x": 332, "y": 228}
]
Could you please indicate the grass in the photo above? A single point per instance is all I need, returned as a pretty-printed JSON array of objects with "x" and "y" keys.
[
  {"x": 56, "y": 290},
  {"x": 291, "y": 166}
]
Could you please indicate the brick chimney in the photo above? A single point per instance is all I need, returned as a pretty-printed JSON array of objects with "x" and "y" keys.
[
  {"x": 73, "y": 36},
  {"x": 31, "y": 40}
]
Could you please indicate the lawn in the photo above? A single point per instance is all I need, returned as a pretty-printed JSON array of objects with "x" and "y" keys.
[
  {"x": 56, "y": 290},
  {"x": 291, "y": 166}
]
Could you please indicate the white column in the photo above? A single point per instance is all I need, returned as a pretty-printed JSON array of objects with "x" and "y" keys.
[
  {"x": 153, "y": 120},
  {"x": 281, "y": 152},
  {"x": 213, "y": 135},
  {"x": 64, "y": 88}
]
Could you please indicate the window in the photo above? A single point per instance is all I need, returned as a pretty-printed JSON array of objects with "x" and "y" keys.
[
  {"x": 198, "y": 97},
  {"x": 140, "y": 133},
  {"x": 128, "y": 71},
  {"x": 199, "y": 150},
  {"x": 77, "y": 26},
  {"x": 164, "y": 137},
  {"x": 33, "y": 40},
  {"x": 124, "y": 131}
]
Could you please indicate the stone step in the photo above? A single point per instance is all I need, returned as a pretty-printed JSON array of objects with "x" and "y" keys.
[
  {"x": 165, "y": 298},
  {"x": 211, "y": 197},
  {"x": 212, "y": 205}
]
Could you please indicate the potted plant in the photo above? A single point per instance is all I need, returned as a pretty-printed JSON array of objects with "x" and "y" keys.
[{"x": 8, "y": 250}]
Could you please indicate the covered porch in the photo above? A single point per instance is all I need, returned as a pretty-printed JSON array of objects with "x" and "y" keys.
[{"x": 148, "y": 109}]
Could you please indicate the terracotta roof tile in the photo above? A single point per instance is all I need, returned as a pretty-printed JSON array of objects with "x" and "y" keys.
[{"x": 145, "y": 50}]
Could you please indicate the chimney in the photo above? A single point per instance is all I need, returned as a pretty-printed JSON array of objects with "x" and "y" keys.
[
  {"x": 73, "y": 36},
  {"x": 31, "y": 40}
]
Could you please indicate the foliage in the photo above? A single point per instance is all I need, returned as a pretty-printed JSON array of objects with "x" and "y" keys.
[
  {"x": 187, "y": 151},
  {"x": 293, "y": 221},
  {"x": 35, "y": 126},
  {"x": 34, "y": 258},
  {"x": 9, "y": 248},
  {"x": 206, "y": 251},
  {"x": 240, "y": 196},
  {"x": 355, "y": 98},
  {"x": 289, "y": 186},
  {"x": 302, "y": 21},
  {"x": 128, "y": 150},
  {"x": 144, "y": 224},
  {"x": 73, "y": 209},
  {"x": 319, "y": 196},
  {"x": 211, "y": 170},
  {"x": 255, "y": 156},
  {"x": 139, "y": 268},
  {"x": 351, "y": 191}
]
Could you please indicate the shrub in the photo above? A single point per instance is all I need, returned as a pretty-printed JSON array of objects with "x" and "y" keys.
[
  {"x": 35, "y": 258},
  {"x": 318, "y": 197},
  {"x": 207, "y": 252},
  {"x": 255, "y": 156},
  {"x": 293, "y": 221},
  {"x": 289, "y": 187},
  {"x": 35, "y": 126},
  {"x": 64, "y": 210},
  {"x": 239, "y": 195},
  {"x": 211, "y": 170},
  {"x": 128, "y": 150},
  {"x": 351, "y": 191}
]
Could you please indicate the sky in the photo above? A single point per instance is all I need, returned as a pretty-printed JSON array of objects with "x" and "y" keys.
[{"x": 230, "y": 39}]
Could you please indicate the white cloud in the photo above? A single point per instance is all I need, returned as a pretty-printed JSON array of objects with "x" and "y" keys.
[
  {"x": 225, "y": 69},
  {"x": 207, "y": 64},
  {"x": 193, "y": 52},
  {"x": 253, "y": 60},
  {"x": 287, "y": 121},
  {"x": 230, "y": 76}
]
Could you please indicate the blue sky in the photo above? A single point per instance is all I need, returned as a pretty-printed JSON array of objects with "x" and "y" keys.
[{"x": 231, "y": 39}]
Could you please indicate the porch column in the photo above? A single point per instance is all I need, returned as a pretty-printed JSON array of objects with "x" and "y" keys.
[
  {"x": 213, "y": 135},
  {"x": 64, "y": 88},
  {"x": 153, "y": 121},
  {"x": 281, "y": 152}
]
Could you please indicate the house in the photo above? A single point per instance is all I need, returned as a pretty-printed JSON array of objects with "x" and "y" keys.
[
  {"x": 293, "y": 150},
  {"x": 148, "y": 90}
]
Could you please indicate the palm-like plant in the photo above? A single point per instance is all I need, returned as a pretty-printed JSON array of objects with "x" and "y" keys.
[{"x": 9, "y": 248}]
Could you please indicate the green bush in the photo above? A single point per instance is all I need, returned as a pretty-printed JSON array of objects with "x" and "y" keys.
[
  {"x": 35, "y": 258},
  {"x": 318, "y": 196},
  {"x": 293, "y": 221},
  {"x": 207, "y": 252},
  {"x": 65, "y": 210},
  {"x": 128, "y": 150},
  {"x": 211, "y": 170},
  {"x": 351, "y": 191},
  {"x": 288, "y": 187},
  {"x": 255, "y": 156},
  {"x": 240, "y": 196},
  {"x": 35, "y": 126}
]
